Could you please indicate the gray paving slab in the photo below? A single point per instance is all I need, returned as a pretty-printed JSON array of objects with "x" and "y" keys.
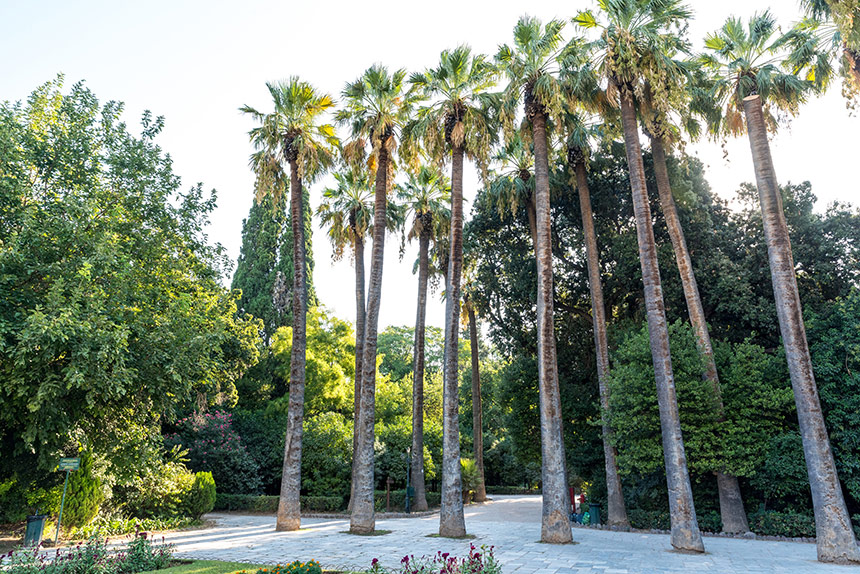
[{"x": 509, "y": 523}]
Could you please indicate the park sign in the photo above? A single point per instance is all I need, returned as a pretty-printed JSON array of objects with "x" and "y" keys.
[{"x": 68, "y": 464}]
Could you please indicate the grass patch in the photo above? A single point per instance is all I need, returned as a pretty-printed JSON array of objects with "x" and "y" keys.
[
  {"x": 374, "y": 533},
  {"x": 466, "y": 537},
  {"x": 210, "y": 567}
]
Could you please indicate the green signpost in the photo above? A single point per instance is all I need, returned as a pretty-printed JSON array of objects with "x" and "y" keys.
[{"x": 67, "y": 464}]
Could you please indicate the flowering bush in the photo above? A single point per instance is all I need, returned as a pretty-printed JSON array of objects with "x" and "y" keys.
[
  {"x": 93, "y": 557},
  {"x": 480, "y": 561},
  {"x": 311, "y": 567},
  {"x": 214, "y": 446}
]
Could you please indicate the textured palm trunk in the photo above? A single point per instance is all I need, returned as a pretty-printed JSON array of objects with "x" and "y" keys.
[
  {"x": 363, "y": 519},
  {"x": 531, "y": 214},
  {"x": 834, "y": 535},
  {"x": 452, "y": 523},
  {"x": 685, "y": 534},
  {"x": 289, "y": 509},
  {"x": 417, "y": 461},
  {"x": 555, "y": 519},
  {"x": 617, "y": 511},
  {"x": 359, "y": 354},
  {"x": 477, "y": 409},
  {"x": 732, "y": 511}
]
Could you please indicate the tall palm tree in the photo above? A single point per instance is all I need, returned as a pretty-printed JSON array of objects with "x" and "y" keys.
[
  {"x": 427, "y": 197},
  {"x": 477, "y": 408},
  {"x": 584, "y": 100},
  {"x": 529, "y": 65},
  {"x": 630, "y": 31},
  {"x": 659, "y": 105},
  {"x": 293, "y": 137},
  {"x": 456, "y": 120},
  {"x": 347, "y": 209},
  {"x": 752, "y": 85},
  {"x": 375, "y": 108}
]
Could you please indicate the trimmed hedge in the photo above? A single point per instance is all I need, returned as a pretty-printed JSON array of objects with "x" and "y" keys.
[
  {"x": 269, "y": 504},
  {"x": 790, "y": 524},
  {"x": 511, "y": 490}
]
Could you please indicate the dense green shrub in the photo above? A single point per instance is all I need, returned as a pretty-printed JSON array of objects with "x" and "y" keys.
[
  {"x": 214, "y": 446},
  {"x": 789, "y": 524},
  {"x": 94, "y": 557},
  {"x": 118, "y": 526},
  {"x": 201, "y": 497},
  {"x": 326, "y": 455},
  {"x": 512, "y": 490},
  {"x": 160, "y": 490},
  {"x": 17, "y": 500},
  {"x": 269, "y": 504},
  {"x": 83, "y": 495},
  {"x": 648, "y": 519}
]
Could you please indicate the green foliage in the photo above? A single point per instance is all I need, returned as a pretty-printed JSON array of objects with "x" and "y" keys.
[
  {"x": 83, "y": 495},
  {"x": 396, "y": 344},
  {"x": 469, "y": 475},
  {"x": 120, "y": 526},
  {"x": 158, "y": 491},
  {"x": 201, "y": 498},
  {"x": 789, "y": 524},
  {"x": 212, "y": 445},
  {"x": 115, "y": 315},
  {"x": 310, "y": 567},
  {"x": 327, "y": 455},
  {"x": 269, "y": 504},
  {"x": 755, "y": 395},
  {"x": 94, "y": 557},
  {"x": 264, "y": 270},
  {"x": 329, "y": 367}
]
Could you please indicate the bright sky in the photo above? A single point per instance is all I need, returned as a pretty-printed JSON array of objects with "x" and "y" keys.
[{"x": 197, "y": 62}]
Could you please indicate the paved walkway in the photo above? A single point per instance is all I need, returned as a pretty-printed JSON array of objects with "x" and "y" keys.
[{"x": 511, "y": 524}]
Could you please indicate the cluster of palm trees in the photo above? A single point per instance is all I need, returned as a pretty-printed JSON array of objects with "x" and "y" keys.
[{"x": 628, "y": 67}]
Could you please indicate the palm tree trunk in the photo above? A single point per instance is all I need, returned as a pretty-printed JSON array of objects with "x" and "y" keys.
[
  {"x": 359, "y": 354},
  {"x": 685, "y": 527},
  {"x": 452, "y": 523},
  {"x": 417, "y": 461},
  {"x": 555, "y": 520},
  {"x": 289, "y": 510},
  {"x": 732, "y": 511},
  {"x": 617, "y": 512},
  {"x": 363, "y": 519},
  {"x": 530, "y": 213},
  {"x": 834, "y": 536},
  {"x": 477, "y": 412}
]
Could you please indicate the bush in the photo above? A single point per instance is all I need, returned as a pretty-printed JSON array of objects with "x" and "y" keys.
[
  {"x": 94, "y": 557},
  {"x": 710, "y": 521},
  {"x": 480, "y": 561},
  {"x": 512, "y": 490},
  {"x": 120, "y": 526},
  {"x": 18, "y": 499},
  {"x": 790, "y": 524},
  {"x": 648, "y": 519},
  {"x": 269, "y": 504},
  {"x": 398, "y": 500},
  {"x": 158, "y": 492},
  {"x": 84, "y": 494},
  {"x": 214, "y": 446},
  {"x": 200, "y": 499},
  {"x": 311, "y": 567}
]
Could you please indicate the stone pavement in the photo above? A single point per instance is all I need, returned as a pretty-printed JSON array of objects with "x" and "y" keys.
[{"x": 511, "y": 524}]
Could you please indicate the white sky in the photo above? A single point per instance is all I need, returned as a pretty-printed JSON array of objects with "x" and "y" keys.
[{"x": 197, "y": 62}]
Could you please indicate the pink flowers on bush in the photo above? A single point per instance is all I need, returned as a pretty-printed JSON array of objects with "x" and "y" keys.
[{"x": 481, "y": 560}]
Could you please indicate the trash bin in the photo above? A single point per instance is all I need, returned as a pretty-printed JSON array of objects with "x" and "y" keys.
[
  {"x": 35, "y": 527},
  {"x": 594, "y": 513}
]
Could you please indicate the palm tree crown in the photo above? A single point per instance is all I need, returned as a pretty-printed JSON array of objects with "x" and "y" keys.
[
  {"x": 749, "y": 60},
  {"x": 530, "y": 65},
  {"x": 292, "y": 132},
  {"x": 347, "y": 209},
  {"x": 459, "y": 114},
  {"x": 427, "y": 197}
]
